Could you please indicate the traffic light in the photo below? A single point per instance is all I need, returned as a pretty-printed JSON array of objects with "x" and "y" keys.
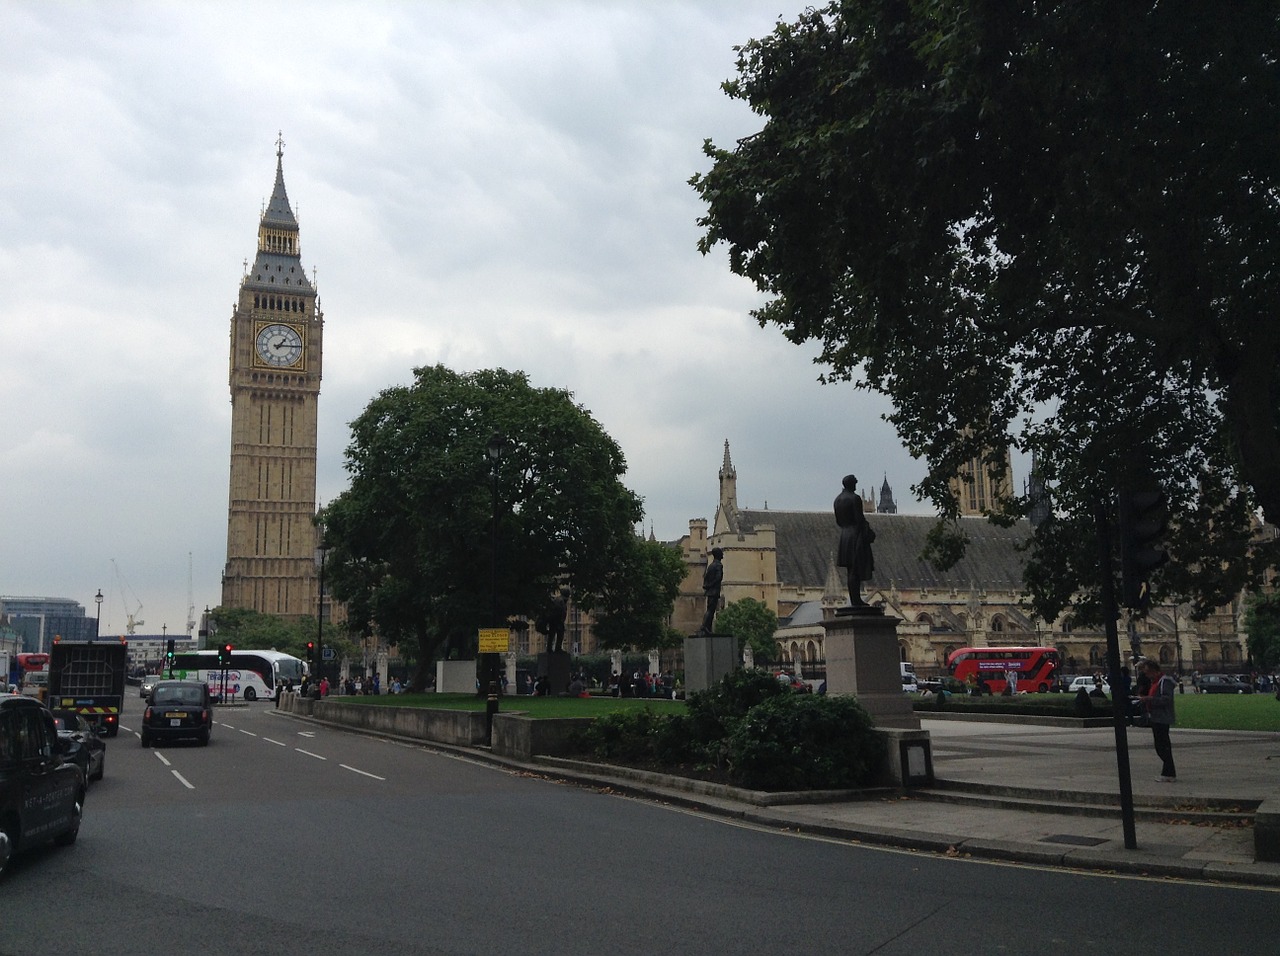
[
  {"x": 1144, "y": 518},
  {"x": 224, "y": 655},
  {"x": 311, "y": 653},
  {"x": 168, "y": 650}
]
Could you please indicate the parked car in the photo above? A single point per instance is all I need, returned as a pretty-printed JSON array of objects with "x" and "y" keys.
[
  {"x": 1088, "y": 682},
  {"x": 178, "y": 709},
  {"x": 88, "y": 751},
  {"x": 1224, "y": 684},
  {"x": 41, "y": 791},
  {"x": 148, "y": 685}
]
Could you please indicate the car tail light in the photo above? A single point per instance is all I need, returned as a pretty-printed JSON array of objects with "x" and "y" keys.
[
  {"x": 146, "y": 715},
  {"x": 204, "y": 717}
]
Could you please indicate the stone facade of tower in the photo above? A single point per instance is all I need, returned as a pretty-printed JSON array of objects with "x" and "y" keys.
[{"x": 276, "y": 346}]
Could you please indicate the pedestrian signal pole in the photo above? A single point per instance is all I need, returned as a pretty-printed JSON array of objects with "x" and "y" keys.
[{"x": 1119, "y": 707}]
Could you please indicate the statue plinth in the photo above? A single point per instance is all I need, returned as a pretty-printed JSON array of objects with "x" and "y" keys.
[
  {"x": 707, "y": 658},
  {"x": 860, "y": 610},
  {"x": 555, "y": 666},
  {"x": 862, "y": 661}
]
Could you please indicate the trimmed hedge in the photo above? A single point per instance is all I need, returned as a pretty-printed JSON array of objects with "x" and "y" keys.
[{"x": 752, "y": 730}]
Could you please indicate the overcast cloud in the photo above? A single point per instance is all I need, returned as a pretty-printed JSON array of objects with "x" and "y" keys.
[{"x": 481, "y": 185}]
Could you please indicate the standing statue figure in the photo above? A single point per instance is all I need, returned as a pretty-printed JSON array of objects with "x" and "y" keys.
[
  {"x": 555, "y": 621},
  {"x": 712, "y": 578},
  {"x": 856, "y": 536}
]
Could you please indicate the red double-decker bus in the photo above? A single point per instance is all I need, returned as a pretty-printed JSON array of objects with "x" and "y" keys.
[
  {"x": 33, "y": 674},
  {"x": 1036, "y": 667}
]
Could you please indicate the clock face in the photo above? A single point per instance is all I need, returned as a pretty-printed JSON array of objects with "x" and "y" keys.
[{"x": 279, "y": 345}]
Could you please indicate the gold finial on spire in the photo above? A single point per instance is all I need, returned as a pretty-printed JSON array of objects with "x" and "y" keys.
[{"x": 279, "y": 144}]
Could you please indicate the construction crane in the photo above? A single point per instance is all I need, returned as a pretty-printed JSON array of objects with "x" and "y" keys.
[
  {"x": 191, "y": 601},
  {"x": 132, "y": 621}
]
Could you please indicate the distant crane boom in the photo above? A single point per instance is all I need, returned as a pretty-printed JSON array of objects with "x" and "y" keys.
[{"x": 132, "y": 621}]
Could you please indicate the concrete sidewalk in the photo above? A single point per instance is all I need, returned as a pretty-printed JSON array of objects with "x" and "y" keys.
[{"x": 1032, "y": 794}]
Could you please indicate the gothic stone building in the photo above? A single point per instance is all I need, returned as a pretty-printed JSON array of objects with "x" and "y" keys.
[{"x": 786, "y": 559}]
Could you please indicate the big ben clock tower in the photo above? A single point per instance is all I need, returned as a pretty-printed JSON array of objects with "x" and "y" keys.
[{"x": 276, "y": 337}]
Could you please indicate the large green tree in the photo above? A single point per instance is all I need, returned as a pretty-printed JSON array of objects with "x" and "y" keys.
[
  {"x": 754, "y": 624},
  {"x": 644, "y": 583},
  {"x": 1262, "y": 622},
  {"x": 1051, "y": 225},
  {"x": 411, "y": 541}
]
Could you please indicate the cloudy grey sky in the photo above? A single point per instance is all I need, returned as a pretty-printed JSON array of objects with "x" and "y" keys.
[{"x": 498, "y": 184}]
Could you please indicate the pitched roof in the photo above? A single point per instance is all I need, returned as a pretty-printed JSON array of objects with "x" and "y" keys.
[{"x": 807, "y": 543}]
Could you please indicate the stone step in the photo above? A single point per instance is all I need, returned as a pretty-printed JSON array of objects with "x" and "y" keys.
[{"x": 1171, "y": 808}]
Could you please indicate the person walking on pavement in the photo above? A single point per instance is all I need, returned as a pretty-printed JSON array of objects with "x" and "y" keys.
[{"x": 1158, "y": 703}]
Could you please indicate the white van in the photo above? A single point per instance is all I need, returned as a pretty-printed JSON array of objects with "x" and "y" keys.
[{"x": 908, "y": 671}]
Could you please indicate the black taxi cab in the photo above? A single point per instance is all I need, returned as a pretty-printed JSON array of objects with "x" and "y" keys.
[
  {"x": 178, "y": 709},
  {"x": 41, "y": 790}
]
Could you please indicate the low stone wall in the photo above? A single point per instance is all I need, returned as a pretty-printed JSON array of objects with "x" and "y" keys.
[
  {"x": 461, "y": 728},
  {"x": 522, "y": 738},
  {"x": 1266, "y": 831}
]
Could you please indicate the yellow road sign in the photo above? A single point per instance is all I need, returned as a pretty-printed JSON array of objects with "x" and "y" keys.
[{"x": 494, "y": 640}]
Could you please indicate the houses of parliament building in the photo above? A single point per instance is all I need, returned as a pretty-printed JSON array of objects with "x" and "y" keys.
[{"x": 786, "y": 559}]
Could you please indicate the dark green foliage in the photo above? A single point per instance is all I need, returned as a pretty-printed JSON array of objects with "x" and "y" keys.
[
  {"x": 753, "y": 624},
  {"x": 411, "y": 541},
  {"x": 644, "y": 582},
  {"x": 640, "y": 737},
  {"x": 756, "y": 731},
  {"x": 1262, "y": 621},
  {"x": 805, "y": 742},
  {"x": 715, "y": 711}
]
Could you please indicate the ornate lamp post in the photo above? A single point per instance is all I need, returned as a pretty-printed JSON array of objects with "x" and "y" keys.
[
  {"x": 321, "y": 549},
  {"x": 97, "y": 625}
]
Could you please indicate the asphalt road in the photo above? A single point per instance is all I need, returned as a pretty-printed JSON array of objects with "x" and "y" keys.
[{"x": 284, "y": 838}]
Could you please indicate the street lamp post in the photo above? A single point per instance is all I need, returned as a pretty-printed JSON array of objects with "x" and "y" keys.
[
  {"x": 494, "y": 449},
  {"x": 320, "y": 556},
  {"x": 97, "y": 626}
]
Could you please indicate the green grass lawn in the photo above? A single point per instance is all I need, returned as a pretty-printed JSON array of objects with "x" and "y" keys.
[
  {"x": 1227, "y": 711},
  {"x": 1194, "y": 711}
]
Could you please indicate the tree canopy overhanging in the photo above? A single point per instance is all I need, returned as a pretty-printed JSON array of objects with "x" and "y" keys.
[
  {"x": 1054, "y": 226},
  {"x": 411, "y": 540}
]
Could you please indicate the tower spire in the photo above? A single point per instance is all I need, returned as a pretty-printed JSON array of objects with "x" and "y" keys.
[{"x": 727, "y": 512}]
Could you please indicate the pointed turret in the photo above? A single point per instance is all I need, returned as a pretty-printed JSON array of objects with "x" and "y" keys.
[
  {"x": 727, "y": 512},
  {"x": 1041, "y": 509},
  {"x": 278, "y": 211},
  {"x": 887, "y": 505}
]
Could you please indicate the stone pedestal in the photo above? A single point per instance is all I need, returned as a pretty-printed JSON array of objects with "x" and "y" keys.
[
  {"x": 707, "y": 658},
  {"x": 862, "y": 660},
  {"x": 455, "y": 677},
  {"x": 555, "y": 667}
]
